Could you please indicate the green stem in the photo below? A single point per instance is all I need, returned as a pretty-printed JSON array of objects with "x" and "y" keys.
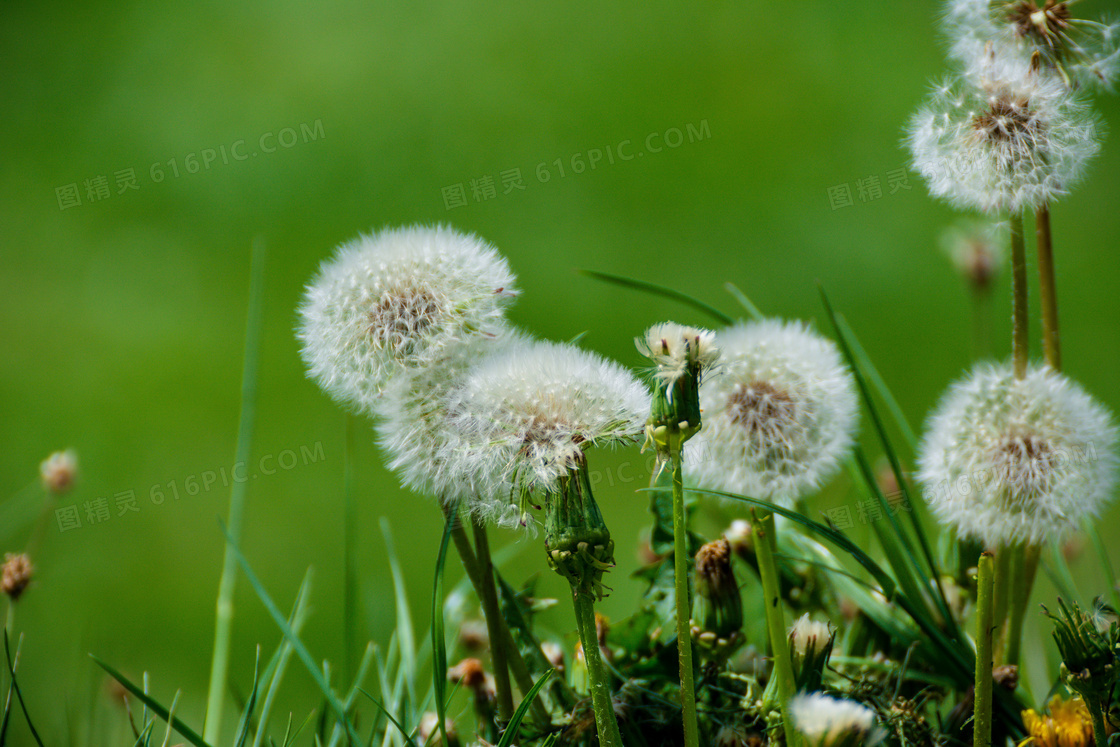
[
  {"x": 1024, "y": 565},
  {"x": 1047, "y": 291},
  {"x": 766, "y": 545},
  {"x": 1000, "y": 597},
  {"x": 488, "y": 597},
  {"x": 681, "y": 573},
  {"x": 1100, "y": 732},
  {"x": 982, "y": 719},
  {"x": 350, "y": 547},
  {"x": 605, "y": 722},
  {"x": 1020, "y": 351},
  {"x": 223, "y": 623}
]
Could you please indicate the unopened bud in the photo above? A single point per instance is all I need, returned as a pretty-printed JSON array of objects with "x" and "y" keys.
[
  {"x": 59, "y": 471},
  {"x": 16, "y": 575},
  {"x": 810, "y": 645}
]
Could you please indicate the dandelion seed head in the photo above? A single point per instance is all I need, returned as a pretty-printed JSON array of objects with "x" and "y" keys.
[
  {"x": 827, "y": 721},
  {"x": 778, "y": 416},
  {"x": 393, "y": 300},
  {"x": 673, "y": 346},
  {"x": 1006, "y": 460},
  {"x": 15, "y": 575},
  {"x": 808, "y": 637}
]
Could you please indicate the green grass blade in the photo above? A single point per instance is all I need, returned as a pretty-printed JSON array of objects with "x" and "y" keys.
[
  {"x": 745, "y": 302},
  {"x": 247, "y": 715},
  {"x": 1106, "y": 564},
  {"x": 439, "y": 641},
  {"x": 511, "y": 729},
  {"x": 156, "y": 708},
  {"x": 350, "y": 546},
  {"x": 278, "y": 666},
  {"x": 660, "y": 290},
  {"x": 404, "y": 616},
  {"x": 223, "y": 619},
  {"x": 290, "y": 635},
  {"x": 19, "y": 691},
  {"x": 388, "y": 715}
]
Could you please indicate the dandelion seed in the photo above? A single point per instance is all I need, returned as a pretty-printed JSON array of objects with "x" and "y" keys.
[
  {"x": 779, "y": 416},
  {"x": 395, "y": 300},
  {"x": 1003, "y": 137},
  {"x": 1008, "y": 460}
]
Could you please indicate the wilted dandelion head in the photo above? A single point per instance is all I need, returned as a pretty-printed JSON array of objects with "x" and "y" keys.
[
  {"x": 394, "y": 300},
  {"x": 529, "y": 413},
  {"x": 1080, "y": 51},
  {"x": 414, "y": 422},
  {"x": 1004, "y": 136},
  {"x": 59, "y": 471},
  {"x": 673, "y": 347},
  {"x": 1017, "y": 460},
  {"x": 778, "y": 417},
  {"x": 831, "y": 722}
]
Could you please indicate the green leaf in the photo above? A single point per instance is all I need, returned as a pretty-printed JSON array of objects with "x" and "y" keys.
[
  {"x": 151, "y": 703},
  {"x": 247, "y": 715},
  {"x": 660, "y": 290},
  {"x": 745, "y": 302},
  {"x": 511, "y": 729}
]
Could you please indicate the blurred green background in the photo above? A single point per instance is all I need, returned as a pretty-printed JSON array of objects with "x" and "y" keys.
[{"x": 122, "y": 317}]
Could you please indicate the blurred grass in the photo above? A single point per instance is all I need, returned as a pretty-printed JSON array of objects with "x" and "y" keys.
[{"x": 121, "y": 320}]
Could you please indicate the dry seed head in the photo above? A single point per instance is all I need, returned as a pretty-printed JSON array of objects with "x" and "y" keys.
[
  {"x": 59, "y": 471},
  {"x": 16, "y": 574},
  {"x": 674, "y": 347},
  {"x": 831, "y": 722}
]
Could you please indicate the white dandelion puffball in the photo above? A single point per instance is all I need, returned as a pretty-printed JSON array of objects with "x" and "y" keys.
[
  {"x": 529, "y": 413},
  {"x": 1082, "y": 52},
  {"x": 673, "y": 346},
  {"x": 826, "y": 721},
  {"x": 1002, "y": 137},
  {"x": 394, "y": 300},
  {"x": 808, "y": 637},
  {"x": 1005, "y": 460},
  {"x": 414, "y": 424},
  {"x": 779, "y": 415}
]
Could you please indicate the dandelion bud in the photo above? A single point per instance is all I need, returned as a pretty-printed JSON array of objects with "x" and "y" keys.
[
  {"x": 1008, "y": 460},
  {"x": 554, "y": 652},
  {"x": 470, "y": 674},
  {"x": 474, "y": 636},
  {"x": 779, "y": 418},
  {"x": 428, "y": 731},
  {"x": 810, "y": 645},
  {"x": 740, "y": 536},
  {"x": 59, "y": 471},
  {"x": 1088, "y": 653},
  {"x": 717, "y": 608},
  {"x": 16, "y": 574},
  {"x": 1068, "y": 724},
  {"x": 681, "y": 356},
  {"x": 830, "y": 722},
  {"x": 576, "y": 539}
]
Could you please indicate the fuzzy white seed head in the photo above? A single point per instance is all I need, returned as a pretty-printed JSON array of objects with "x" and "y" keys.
[
  {"x": 672, "y": 347},
  {"x": 1002, "y": 137},
  {"x": 1079, "y": 51},
  {"x": 414, "y": 423},
  {"x": 976, "y": 249},
  {"x": 809, "y": 638},
  {"x": 1005, "y": 460},
  {"x": 826, "y": 722},
  {"x": 529, "y": 413},
  {"x": 779, "y": 415},
  {"x": 59, "y": 471},
  {"x": 394, "y": 300}
]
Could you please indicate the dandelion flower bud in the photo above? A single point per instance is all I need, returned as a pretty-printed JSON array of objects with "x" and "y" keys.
[
  {"x": 681, "y": 356},
  {"x": 1089, "y": 665},
  {"x": 429, "y": 734},
  {"x": 16, "y": 574},
  {"x": 1004, "y": 137},
  {"x": 717, "y": 609},
  {"x": 395, "y": 300},
  {"x": 59, "y": 471},
  {"x": 810, "y": 645},
  {"x": 1008, "y": 460},
  {"x": 779, "y": 417},
  {"x": 471, "y": 675},
  {"x": 530, "y": 412},
  {"x": 830, "y": 722}
]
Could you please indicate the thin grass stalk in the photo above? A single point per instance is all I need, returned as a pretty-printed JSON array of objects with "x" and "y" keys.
[
  {"x": 681, "y": 573},
  {"x": 488, "y": 597},
  {"x": 223, "y": 623},
  {"x": 1020, "y": 338},
  {"x": 766, "y": 546},
  {"x": 982, "y": 719},
  {"x": 1047, "y": 290},
  {"x": 350, "y": 549},
  {"x": 600, "y": 678}
]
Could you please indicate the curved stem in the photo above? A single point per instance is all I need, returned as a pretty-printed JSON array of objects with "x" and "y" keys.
[
  {"x": 1047, "y": 291},
  {"x": 684, "y": 608},
  {"x": 766, "y": 544},
  {"x": 982, "y": 719},
  {"x": 605, "y": 722},
  {"x": 1020, "y": 351},
  {"x": 488, "y": 596}
]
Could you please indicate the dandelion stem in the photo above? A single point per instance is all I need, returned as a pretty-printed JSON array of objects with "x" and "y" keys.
[
  {"x": 605, "y": 722},
  {"x": 1100, "y": 732},
  {"x": 1024, "y": 564},
  {"x": 681, "y": 573},
  {"x": 1001, "y": 583},
  {"x": 1047, "y": 291},
  {"x": 982, "y": 720},
  {"x": 1020, "y": 350},
  {"x": 488, "y": 597},
  {"x": 223, "y": 624},
  {"x": 766, "y": 546}
]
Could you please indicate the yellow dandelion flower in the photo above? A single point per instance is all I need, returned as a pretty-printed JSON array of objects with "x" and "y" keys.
[{"x": 1067, "y": 725}]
